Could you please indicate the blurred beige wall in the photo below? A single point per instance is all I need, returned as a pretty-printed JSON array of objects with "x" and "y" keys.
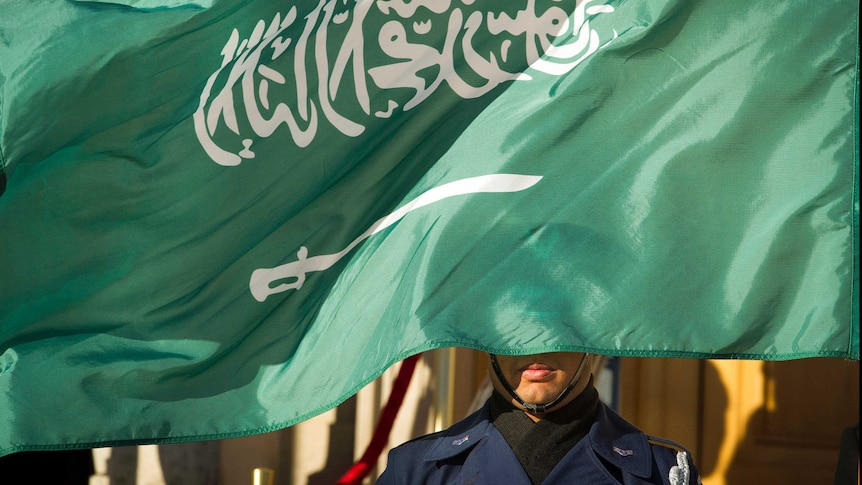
[{"x": 314, "y": 452}]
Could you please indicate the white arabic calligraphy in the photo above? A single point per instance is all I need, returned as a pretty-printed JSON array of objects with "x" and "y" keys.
[
  {"x": 261, "y": 281},
  {"x": 250, "y": 65}
]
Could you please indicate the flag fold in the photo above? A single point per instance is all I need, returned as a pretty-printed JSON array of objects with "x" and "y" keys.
[{"x": 220, "y": 218}]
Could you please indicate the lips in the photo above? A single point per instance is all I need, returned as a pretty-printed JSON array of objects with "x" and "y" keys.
[{"x": 537, "y": 372}]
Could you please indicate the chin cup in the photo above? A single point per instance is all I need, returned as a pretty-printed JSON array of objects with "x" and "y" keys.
[{"x": 537, "y": 408}]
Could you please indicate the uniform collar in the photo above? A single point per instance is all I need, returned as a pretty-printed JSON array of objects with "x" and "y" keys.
[
  {"x": 621, "y": 443},
  {"x": 460, "y": 437},
  {"x": 611, "y": 437}
]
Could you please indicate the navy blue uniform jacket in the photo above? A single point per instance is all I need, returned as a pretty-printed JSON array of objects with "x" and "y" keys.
[{"x": 473, "y": 451}]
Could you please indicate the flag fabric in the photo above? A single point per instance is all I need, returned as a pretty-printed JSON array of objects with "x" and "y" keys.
[{"x": 221, "y": 218}]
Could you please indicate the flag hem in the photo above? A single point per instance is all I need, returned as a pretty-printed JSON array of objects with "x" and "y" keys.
[{"x": 417, "y": 350}]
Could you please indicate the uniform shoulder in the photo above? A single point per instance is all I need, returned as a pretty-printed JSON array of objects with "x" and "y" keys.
[
  {"x": 420, "y": 441},
  {"x": 405, "y": 461},
  {"x": 415, "y": 461},
  {"x": 666, "y": 443},
  {"x": 677, "y": 458},
  {"x": 456, "y": 430}
]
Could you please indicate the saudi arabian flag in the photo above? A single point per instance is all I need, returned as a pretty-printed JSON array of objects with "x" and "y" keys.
[{"x": 221, "y": 217}]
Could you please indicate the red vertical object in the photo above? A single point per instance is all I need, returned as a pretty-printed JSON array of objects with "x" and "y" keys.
[{"x": 361, "y": 468}]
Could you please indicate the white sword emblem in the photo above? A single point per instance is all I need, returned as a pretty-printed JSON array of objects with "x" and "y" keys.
[{"x": 262, "y": 279}]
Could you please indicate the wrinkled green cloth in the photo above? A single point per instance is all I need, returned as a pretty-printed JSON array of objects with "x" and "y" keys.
[{"x": 221, "y": 218}]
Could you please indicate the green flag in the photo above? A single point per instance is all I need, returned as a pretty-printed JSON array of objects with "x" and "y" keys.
[{"x": 221, "y": 218}]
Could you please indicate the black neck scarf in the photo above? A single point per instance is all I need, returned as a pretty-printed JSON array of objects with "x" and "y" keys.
[{"x": 540, "y": 446}]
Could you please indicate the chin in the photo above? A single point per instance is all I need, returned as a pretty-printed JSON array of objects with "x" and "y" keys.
[{"x": 539, "y": 398}]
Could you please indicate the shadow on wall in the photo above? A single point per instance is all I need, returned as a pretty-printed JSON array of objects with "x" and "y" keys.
[
  {"x": 806, "y": 405},
  {"x": 184, "y": 463},
  {"x": 775, "y": 422}
]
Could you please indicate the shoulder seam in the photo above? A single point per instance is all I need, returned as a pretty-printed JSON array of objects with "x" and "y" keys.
[{"x": 654, "y": 440}]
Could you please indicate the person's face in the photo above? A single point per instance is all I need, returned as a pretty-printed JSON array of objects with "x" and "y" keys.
[{"x": 540, "y": 378}]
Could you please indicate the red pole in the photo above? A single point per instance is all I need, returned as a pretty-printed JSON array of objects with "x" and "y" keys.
[{"x": 362, "y": 468}]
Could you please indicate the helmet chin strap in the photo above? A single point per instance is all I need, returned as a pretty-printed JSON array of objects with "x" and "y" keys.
[{"x": 534, "y": 408}]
